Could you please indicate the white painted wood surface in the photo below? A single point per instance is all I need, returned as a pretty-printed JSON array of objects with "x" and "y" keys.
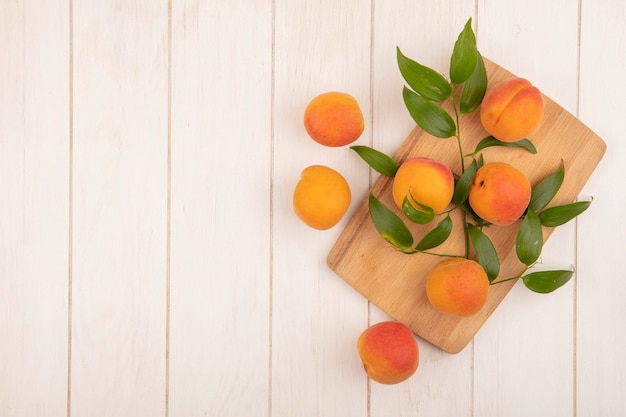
[
  {"x": 119, "y": 208},
  {"x": 150, "y": 261}
]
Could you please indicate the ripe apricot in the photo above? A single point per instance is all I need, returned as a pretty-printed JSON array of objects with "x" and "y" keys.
[
  {"x": 457, "y": 286},
  {"x": 499, "y": 193},
  {"x": 425, "y": 181},
  {"x": 333, "y": 119},
  {"x": 321, "y": 197},
  {"x": 511, "y": 110},
  {"x": 389, "y": 352}
]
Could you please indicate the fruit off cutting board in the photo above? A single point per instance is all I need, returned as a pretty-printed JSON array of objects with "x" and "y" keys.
[{"x": 395, "y": 282}]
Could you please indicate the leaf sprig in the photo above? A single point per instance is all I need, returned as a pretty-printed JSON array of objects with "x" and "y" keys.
[{"x": 424, "y": 93}]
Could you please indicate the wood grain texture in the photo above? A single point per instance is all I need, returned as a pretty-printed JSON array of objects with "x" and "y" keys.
[
  {"x": 600, "y": 307},
  {"x": 34, "y": 208},
  {"x": 504, "y": 351},
  {"x": 110, "y": 108},
  {"x": 416, "y": 33},
  {"x": 316, "y": 318},
  {"x": 120, "y": 115},
  {"x": 220, "y": 208},
  {"x": 395, "y": 282}
]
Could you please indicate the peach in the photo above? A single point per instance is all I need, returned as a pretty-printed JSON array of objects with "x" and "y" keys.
[
  {"x": 389, "y": 352},
  {"x": 457, "y": 286},
  {"x": 425, "y": 181},
  {"x": 499, "y": 193},
  {"x": 321, "y": 197},
  {"x": 511, "y": 110},
  {"x": 333, "y": 119}
]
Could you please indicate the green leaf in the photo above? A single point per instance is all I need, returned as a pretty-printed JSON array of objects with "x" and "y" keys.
[
  {"x": 547, "y": 281},
  {"x": 545, "y": 190},
  {"x": 436, "y": 236},
  {"x": 464, "y": 55},
  {"x": 417, "y": 212},
  {"x": 481, "y": 161},
  {"x": 485, "y": 251},
  {"x": 429, "y": 115},
  {"x": 465, "y": 206},
  {"x": 423, "y": 80},
  {"x": 558, "y": 215},
  {"x": 377, "y": 160},
  {"x": 490, "y": 141},
  {"x": 474, "y": 88},
  {"x": 389, "y": 225},
  {"x": 461, "y": 189},
  {"x": 529, "y": 240}
]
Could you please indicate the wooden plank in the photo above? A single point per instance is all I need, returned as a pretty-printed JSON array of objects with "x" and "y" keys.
[
  {"x": 220, "y": 198},
  {"x": 385, "y": 276},
  {"x": 119, "y": 208},
  {"x": 600, "y": 307},
  {"x": 427, "y": 38},
  {"x": 34, "y": 208},
  {"x": 506, "y": 348},
  {"x": 316, "y": 319}
]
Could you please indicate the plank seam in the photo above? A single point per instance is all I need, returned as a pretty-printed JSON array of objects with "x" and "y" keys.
[
  {"x": 271, "y": 210},
  {"x": 70, "y": 203},
  {"x": 168, "y": 208},
  {"x": 575, "y": 312}
]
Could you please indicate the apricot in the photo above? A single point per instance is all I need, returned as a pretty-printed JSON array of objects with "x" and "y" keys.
[
  {"x": 424, "y": 180},
  {"x": 389, "y": 352},
  {"x": 511, "y": 110},
  {"x": 321, "y": 197},
  {"x": 457, "y": 286},
  {"x": 333, "y": 119},
  {"x": 499, "y": 193}
]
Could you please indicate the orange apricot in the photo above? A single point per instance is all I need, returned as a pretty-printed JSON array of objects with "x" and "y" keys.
[
  {"x": 389, "y": 352},
  {"x": 457, "y": 286},
  {"x": 321, "y": 197},
  {"x": 333, "y": 119},
  {"x": 511, "y": 110},
  {"x": 499, "y": 193},
  {"x": 423, "y": 181}
]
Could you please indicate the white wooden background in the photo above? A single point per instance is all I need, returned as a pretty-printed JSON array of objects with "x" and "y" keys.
[{"x": 150, "y": 261}]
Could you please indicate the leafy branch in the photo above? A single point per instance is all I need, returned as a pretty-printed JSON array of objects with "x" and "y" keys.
[{"x": 424, "y": 95}]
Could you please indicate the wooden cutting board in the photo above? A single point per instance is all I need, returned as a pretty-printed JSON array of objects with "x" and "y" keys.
[{"x": 395, "y": 282}]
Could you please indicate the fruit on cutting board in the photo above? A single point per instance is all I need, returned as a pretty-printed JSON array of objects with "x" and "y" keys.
[
  {"x": 511, "y": 110},
  {"x": 333, "y": 119},
  {"x": 424, "y": 181},
  {"x": 499, "y": 193},
  {"x": 389, "y": 352},
  {"x": 321, "y": 197},
  {"x": 457, "y": 286}
]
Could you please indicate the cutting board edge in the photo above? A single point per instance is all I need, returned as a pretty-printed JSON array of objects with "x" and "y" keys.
[{"x": 450, "y": 345}]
